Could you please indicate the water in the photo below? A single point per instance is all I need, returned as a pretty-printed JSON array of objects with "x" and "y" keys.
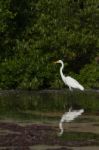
[
  {"x": 46, "y": 105},
  {"x": 46, "y": 108},
  {"x": 48, "y": 100}
]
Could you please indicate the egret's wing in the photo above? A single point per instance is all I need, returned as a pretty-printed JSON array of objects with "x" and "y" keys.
[
  {"x": 71, "y": 115},
  {"x": 73, "y": 83}
]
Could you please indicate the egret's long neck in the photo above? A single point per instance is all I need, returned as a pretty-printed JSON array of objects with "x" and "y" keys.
[{"x": 61, "y": 69}]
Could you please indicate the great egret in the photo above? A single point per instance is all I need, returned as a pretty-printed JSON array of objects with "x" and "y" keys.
[
  {"x": 69, "y": 81},
  {"x": 68, "y": 117}
]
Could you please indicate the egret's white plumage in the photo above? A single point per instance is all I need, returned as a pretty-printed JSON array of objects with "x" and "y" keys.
[
  {"x": 68, "y": 117},
  {"x": 69, "y": 81},
  {"x": 72, "y": 84}
]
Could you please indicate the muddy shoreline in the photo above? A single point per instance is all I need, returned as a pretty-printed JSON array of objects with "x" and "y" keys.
[
  {"x": 43, "y": 91},
  {"x": 14, "y": 136}
]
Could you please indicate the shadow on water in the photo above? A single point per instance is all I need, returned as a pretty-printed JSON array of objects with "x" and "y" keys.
[{"x": 43, "y": 109}]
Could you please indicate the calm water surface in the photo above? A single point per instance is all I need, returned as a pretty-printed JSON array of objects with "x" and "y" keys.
[
  {"x": 49, "y": 100},
  {"x": 47, "y": 106},
  {"x": 20, "y": 103}
]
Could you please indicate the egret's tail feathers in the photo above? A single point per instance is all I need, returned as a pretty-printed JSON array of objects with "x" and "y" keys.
[
  {"x": 81, "y": 111},
  {"x": 81, "y": 88}
]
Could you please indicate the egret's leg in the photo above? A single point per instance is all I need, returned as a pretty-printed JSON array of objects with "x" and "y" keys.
[
  {"x": 70, "y": 88},
  {"x": 76, "y": 100},
  {"x": 70, "y": 109},
  {"x": 69, "y": 103},
  {"x": 71, "y": 98}
]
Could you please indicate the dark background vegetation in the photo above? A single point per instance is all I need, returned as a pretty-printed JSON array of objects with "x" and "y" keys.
[{"x": 34, "y": 33}]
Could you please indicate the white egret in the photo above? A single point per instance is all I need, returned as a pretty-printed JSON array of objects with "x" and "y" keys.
[
  {"x": 69, "y": 81},
  {"x": 68, "y": 117}
]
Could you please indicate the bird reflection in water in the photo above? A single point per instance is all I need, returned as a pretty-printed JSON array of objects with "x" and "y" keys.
[{"x": 68, "y": 117}]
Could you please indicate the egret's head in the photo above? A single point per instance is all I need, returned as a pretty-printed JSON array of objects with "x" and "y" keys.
[{"x": 59, "y": 61}]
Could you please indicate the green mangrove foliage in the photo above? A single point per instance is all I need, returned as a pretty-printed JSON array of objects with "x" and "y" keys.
[{"x": 34, "y": 33}]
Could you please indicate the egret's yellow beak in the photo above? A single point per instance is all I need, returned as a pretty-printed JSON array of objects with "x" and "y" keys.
[{"x": 55, "y": 62}]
